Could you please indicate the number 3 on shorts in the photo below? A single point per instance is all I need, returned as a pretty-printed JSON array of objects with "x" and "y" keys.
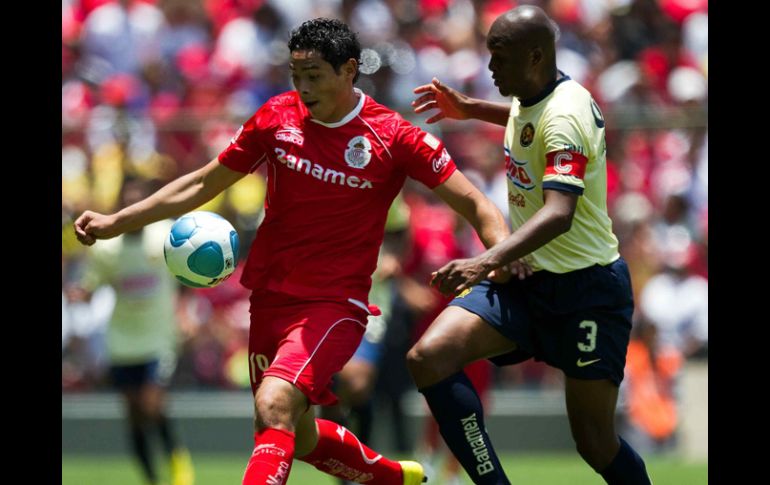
[{"x": 591, "y": 336}]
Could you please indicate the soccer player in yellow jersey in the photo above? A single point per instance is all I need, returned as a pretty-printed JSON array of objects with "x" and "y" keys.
[
  {"x": 141, "y": 336},
  {"x": 572, "y": 306}
]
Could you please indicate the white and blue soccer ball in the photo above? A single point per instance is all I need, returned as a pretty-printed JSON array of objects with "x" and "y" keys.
[{"x": 202, "y": 249}]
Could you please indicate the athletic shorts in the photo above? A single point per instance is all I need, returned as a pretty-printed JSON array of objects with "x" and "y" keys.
[
  {"x": 579, "y": 322},
  {"x": 155, "y": 371},
  {"x": 373, "y": 344},
  {"x": 303, "y": 342},
  {"x": 369, "y": 351}
]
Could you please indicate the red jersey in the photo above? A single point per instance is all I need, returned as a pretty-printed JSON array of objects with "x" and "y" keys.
[{"x": 329, "y": 187}]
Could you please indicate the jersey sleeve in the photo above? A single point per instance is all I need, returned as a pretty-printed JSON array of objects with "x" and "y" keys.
[
  {"x": 248, "y": 148},
  {"x": 422, "y": 156},
  {"x": 565, "y": 156}
]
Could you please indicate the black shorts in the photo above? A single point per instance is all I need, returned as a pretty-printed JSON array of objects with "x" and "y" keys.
[
  {"x": 579, "y": 322},
  {"x": 155, "y": 371}
]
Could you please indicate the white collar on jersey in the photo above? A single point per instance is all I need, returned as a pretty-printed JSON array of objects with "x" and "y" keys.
[{"x": 348, "y": 116}]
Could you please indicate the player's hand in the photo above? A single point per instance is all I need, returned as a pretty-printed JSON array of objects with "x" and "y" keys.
[
  {"x": 459, "y": 275},
  {"x": 503, "y": 274},
  {"x": 91, "y": 226},
  {"x": 436, "y": 95},
  {"x": 520, "y": 268},
  {"x": 500, "y": 275}
]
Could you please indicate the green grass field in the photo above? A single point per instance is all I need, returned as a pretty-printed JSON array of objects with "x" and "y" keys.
[{"x": 541, "y": 469}]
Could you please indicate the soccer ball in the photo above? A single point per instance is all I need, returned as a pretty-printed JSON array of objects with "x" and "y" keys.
[{"x": 202, "y": 249}]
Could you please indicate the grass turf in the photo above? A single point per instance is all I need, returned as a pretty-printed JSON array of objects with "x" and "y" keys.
[{"x": 522, "y": 469}]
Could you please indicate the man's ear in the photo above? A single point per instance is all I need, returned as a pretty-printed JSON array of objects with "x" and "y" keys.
[{"x": 350, "y": 68}]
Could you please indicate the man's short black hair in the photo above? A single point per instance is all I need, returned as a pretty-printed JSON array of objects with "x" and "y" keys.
[{"x": 329, "y": 37}]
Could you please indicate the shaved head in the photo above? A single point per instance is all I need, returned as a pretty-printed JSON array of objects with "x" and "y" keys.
[
  {"x": 522, "y": 44},
  {"x": 528, "y": 26}
]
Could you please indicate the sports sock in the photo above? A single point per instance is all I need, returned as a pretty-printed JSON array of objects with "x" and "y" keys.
[
  {"x": 457, "y": 408},
  {"x": 364, "y": 417},
  {"x": 627, "y": 468},
  {"x": 139, "y": 445},
  {"x": 270, "y": 462},
  {"x": 339, "y": 453},
  {"x": 166, "y": 431}
]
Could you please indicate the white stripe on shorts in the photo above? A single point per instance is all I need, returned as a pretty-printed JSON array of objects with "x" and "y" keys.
[{"x": 319, "y": 345}]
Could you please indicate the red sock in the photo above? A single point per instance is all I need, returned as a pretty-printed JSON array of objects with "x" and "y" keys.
[
  {"x": 271, "y": 459},
  {"x": 340, "y": 454}
]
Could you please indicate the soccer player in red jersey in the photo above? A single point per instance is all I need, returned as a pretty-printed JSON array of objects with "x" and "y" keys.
[{"x": 335, "y": 161}]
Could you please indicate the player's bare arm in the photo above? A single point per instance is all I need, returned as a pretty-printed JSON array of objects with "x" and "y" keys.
[
  {"x": 455, "y": 105},
  {"x": 468, "y": 201},
  {"x": 175, "y": 198},
  {"x": 554, "y": 219},
  {"x": 483, "y": 215}
]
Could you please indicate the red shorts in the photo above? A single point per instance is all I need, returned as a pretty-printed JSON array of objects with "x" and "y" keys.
[{"x": 302, "y": 342}]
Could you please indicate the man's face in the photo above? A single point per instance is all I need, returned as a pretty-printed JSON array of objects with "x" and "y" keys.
[
  {"x": 509, "y": 65},
  {"x": 319, "y": 86}
]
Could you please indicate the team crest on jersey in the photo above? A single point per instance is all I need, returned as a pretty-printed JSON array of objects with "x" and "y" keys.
[
  {"x": 359, "y": 152},
  {"x": 290, "y": 135},
  {"x": 465, "y": 292},
  {"x": 527, "y": 135}
]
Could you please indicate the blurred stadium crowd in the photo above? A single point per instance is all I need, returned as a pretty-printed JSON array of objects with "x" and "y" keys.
[{"x": 154, "y": 88}]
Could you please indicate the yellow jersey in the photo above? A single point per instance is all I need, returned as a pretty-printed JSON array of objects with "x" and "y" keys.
[{"x": 556, "y": 141}]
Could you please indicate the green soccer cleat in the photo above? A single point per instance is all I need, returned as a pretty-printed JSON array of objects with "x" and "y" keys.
[{"x": 412, "y": 472}]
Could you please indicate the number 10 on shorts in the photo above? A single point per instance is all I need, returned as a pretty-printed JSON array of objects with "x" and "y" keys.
[{"x": 257, "y": 361}]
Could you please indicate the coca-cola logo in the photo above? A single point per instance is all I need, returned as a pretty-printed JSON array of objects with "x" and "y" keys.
[{"x": 440, "y": 162}]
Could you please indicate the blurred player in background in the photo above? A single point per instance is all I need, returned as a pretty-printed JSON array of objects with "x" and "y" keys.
[
  {"x": 575, "y": 311},
  {"x": 335, "y": 159},
  {"x": 142, "y": 333}
]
